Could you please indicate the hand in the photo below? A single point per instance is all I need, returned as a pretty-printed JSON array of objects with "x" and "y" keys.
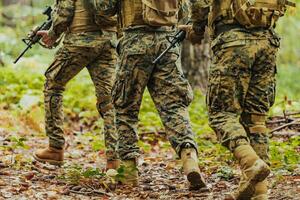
[
  {"x": 46, "y": 39},
  {"x": 32, "y": 32},
  {"x": 186, "y": 28},
  {"x": 193, "y": 37}
]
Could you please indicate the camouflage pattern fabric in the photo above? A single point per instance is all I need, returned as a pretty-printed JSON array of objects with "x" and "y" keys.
[
  {"x": 242, "y": 86},
  {"x": 95, "y": 52},
  {"x": 62, "y": 16},
  {"x": 167, "y": 86}
]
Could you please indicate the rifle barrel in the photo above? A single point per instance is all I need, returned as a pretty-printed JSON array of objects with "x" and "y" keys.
[
  {"x": 179, "y": 37},
  {"x": 173, "y": 43},
  {"x": 22, "y": 54}
]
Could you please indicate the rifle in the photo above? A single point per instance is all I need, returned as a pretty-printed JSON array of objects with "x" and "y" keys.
[
  {"x": 33, "y": 38},
  {"x": 179, "y": 37}
]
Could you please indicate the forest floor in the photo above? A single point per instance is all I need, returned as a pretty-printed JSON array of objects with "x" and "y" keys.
[{"x": 82, "y": 176}]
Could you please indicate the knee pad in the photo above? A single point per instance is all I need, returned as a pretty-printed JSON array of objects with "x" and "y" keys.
[
  {"x": 258, "y": 134},
  {"x": 238, "y": 141}
]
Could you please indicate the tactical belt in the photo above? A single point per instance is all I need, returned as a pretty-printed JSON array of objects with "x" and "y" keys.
[
  {"x": 227, "y": 27},
  {"x": 146, "y": 28}
]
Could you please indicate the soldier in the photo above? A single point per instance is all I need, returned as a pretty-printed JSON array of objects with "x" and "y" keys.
[
  {"x": 88, "y": 43},
  {"x": 146, "y": 24},
  {"x": 241, "y": 81}
]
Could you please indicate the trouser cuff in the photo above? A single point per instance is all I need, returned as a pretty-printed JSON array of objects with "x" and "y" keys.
[{"x": 186, "y": 145}]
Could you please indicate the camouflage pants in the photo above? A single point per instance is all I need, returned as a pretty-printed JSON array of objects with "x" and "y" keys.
[
  {"x": 69, "y": 61},
  {"x": 241, "y": 91},
  {"x": 167, "y": 86}
]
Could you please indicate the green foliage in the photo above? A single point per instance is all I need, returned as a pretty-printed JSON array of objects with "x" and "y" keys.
[
  {"x": 225, "y": 172},
  {"x": 76, "y": 173},
  {"x": 92, "y": 172},
  {"x": 288, "y": 91},
  {"x": 13, "y": 86},
  {"x": 121, "y": 173},
  {"x": 285, "y": 155},
  {"x": 98, "y": 145},
  {"x": 18, "y": 142},
  {"x": 288, "y": 28}
]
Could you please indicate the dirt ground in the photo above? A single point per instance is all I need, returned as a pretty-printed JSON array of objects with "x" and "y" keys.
[{"x": 22, "y": 178}]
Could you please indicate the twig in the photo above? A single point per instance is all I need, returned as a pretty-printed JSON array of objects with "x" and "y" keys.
[
  {"x": 89, "y": 193},
  {"x": 102, "y": 193},
  {"x": 280, "y": 121},
  {"x": 83, "y": 193},
  {"x": 285, "y": 125},
  {"x": 289, "y": 134},
  {"x": 292, "y": 113}
]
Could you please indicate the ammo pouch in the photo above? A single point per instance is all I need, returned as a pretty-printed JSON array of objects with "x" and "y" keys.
[
  {"x": 259, "y": 13},
  {"x": 160, "y": 12},
  {"x": 105, "y": 22},
  {"x": 92, "y": 8}
]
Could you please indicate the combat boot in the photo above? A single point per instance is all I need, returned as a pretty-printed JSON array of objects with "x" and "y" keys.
[
  {"x": 131, "y": 174},
  {"x": 50, "y": 155},
  {"x": 254, "y": 170},
  {"x": 191, "y": 168},
  {"x": 112, "y": 164},
  {"x": 261, "y": 191}
]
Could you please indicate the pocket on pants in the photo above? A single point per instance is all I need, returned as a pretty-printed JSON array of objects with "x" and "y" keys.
[
  {"x": 120, "y": 89},
  {"x": 62, "y": 58}
]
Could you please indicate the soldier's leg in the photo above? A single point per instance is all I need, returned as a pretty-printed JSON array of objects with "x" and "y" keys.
[
  {"x": 102, "y": 72},
  {"x": 131, "y": 80},
  {"x": 259, "y": 99},
  {"x": 255, "y": 126},
  {"x": 172, "y": 95},
  {"x": 229, "y": 81},
  {"x": 68, "y": 62}
]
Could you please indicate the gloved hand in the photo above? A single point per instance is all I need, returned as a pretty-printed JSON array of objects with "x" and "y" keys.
[{"x": 191, "y": 35}]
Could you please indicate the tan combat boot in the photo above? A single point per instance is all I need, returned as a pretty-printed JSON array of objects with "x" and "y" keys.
[
  {"x": 254, "y": 171},
  {"x": 191, "y": 169},
  {"x": 131, "y": 174},
  {"x": 112, "y": 164},
  {"x": 261, "y": 191},
  {"x": 50, "y": 155}
]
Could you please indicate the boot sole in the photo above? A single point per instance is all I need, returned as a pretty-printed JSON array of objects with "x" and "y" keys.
[
  {"x": 196, "y": 181},
  {"x": 248, "y": 191},
  {"x": 52, "y": 162}
]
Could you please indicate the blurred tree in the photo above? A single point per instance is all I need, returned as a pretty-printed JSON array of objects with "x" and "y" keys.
[
  {"x": 195, "y": 58},
  {"x": 195, "y": 62}
]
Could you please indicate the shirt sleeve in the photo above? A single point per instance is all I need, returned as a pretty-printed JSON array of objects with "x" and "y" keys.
[
  {"x": 62, "y": 17},
  {"x": 183, "y": 13}
]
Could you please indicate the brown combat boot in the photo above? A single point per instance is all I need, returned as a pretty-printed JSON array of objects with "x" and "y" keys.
[
  {"x": 261, "y": 191},
  {"x": 112, "y": 164},
  {"x": 254, "y": 171},
  {"x": 191, "y": 169},
  {"x": 131, "y": 174},
  {"x": 50, "y": 155}
]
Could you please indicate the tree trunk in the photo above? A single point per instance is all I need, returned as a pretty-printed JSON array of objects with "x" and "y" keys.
[
  {"x": 9, "y": 2},
  {"x": 195, "y": 62}
]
